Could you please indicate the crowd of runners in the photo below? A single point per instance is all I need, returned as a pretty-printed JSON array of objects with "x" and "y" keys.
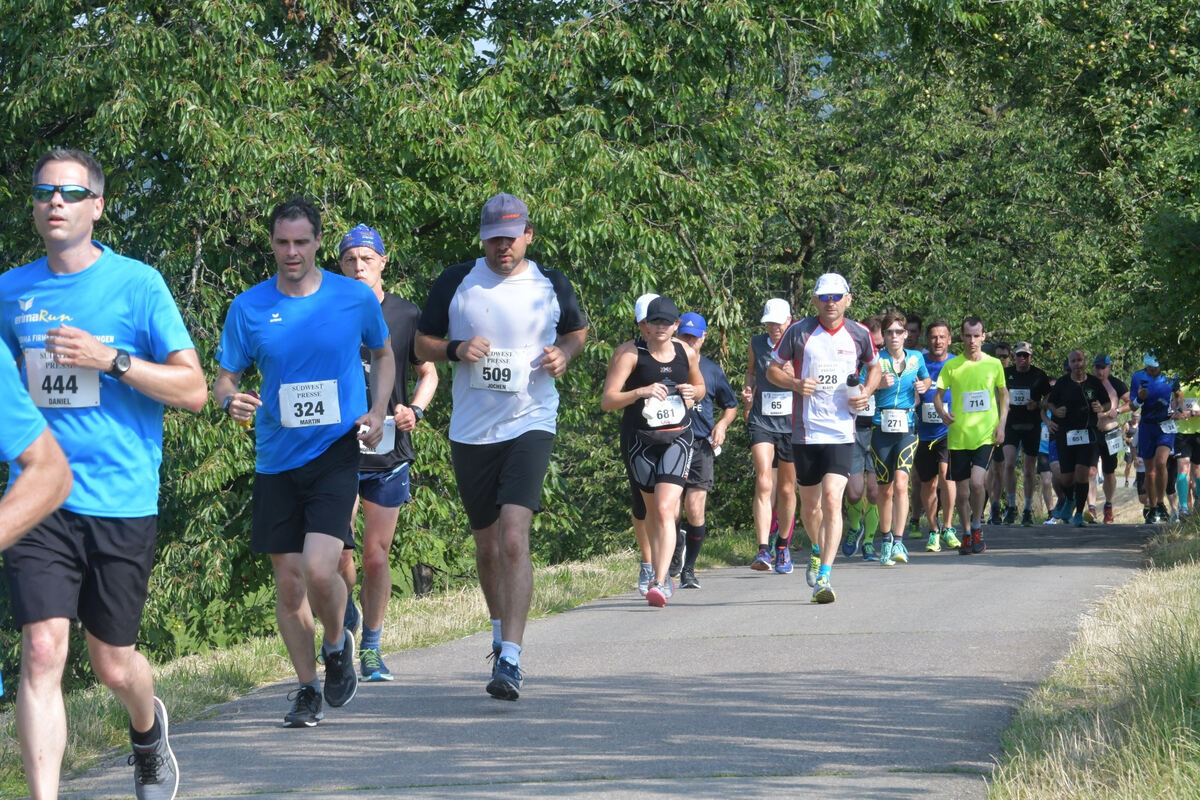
[{"x": 839, "y": 414}]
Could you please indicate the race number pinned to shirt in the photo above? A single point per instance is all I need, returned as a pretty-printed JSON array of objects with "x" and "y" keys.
[
  {"x": 1168, "y": 426},
  {"x": 1078, "y": 437},
  {"x": 665, "y": 413},
  {"x": 828, "y": 375},
  {"x": 1018, "y": 397},
  {"x": 501, "y": 371},
  {"x": 1191, "y": 404},
  {"x": 1045, "y": 434},
  {"x": 53, "y": 385},
  {"x": 304, "y": 405},
  {"x": 893, "y": 420},
  {"x": 776, "y": 404},
  {"x": 929, "y": 414},
  {"x": 1114, "y": 441},
  {"x": 973, "y": 402}
]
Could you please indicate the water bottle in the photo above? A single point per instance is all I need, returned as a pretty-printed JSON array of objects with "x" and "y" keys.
[
  {"x": 247, "y": 423},
  {"x": 853, "y": 389}
]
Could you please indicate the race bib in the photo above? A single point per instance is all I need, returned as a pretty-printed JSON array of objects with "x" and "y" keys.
[
  {"x": 776, "y": 404},
  {"x": 1045, "y": 434},
  {"x": 1114, "y": 441},
  {"x": 893, "y": 420},
  {"x": 929, "y": 414},
  {"x": 387, "y": 444},
  {"x": 1191, "y": 404},
  {"x": 828, "y": 376},
  {"x": 1168, "y": 426},
  {"x": 666, "y": 413},
  {"x": 303, "y": 405},
  {"x": 973, "y": 402},
  {"x": 869, "y": 411},
  {"x": 52, "y": 385},
  {"x": 1078, "y": 437},
  {"x": 501, "y": 371},
  {"x": 1018, "y": 397}
]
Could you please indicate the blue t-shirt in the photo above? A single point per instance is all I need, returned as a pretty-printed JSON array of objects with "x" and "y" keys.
[
  {"x": 716, "y": 385},
  {"x": 114, "y": 445},
  {"x": 1157, "y": 405},
  {"x": 307, "y": 349},
  {"x": 902, "y": 393},
  {"x": 930, "y": 431},
  {"x": 21, "y": 423}
]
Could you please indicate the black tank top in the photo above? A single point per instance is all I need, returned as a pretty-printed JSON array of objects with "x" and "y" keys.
[{"x": 649, "y": 370}]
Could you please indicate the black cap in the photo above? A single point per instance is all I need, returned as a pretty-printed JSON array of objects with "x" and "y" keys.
[{"x": 661, "y": 309}]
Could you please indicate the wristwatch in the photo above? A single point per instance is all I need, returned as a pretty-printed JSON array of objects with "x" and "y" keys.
[
  {"x": 120, "y": 364},
  {"x": 418, "y": 412}
]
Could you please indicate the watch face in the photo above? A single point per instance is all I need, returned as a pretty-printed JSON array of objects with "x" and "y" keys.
[{"x": 120, "y": 363}]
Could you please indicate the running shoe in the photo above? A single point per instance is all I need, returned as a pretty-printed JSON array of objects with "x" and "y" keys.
[
  {"x": 1065, "y": 513},
  {"x": 155, "y": 770},
  {"x": 506, "y": 682},
  {"x": 371, "y": 665},
  {"x": 494, "y": 656},
  {"x": 783, "y": 560},
  {"x": 1174, "y": 516},
  {"x": 762, "y": 562},
  {"x": 950, "y": 537},
  {"x": 657, "y": 596},
  {"x": 645, "y": 577},
  {"x": 1010, "y": 516},
  {"x": 341, "y": 680},
  {"x": 687, "y": 579},
  {"x": 1090, "y": 515},
  {"x": 306, "y": 708},
  {"x": 914, "y": 529},
  {"x": 1148, "y": 514},
  {"x": 822, "y": 591},
  {"x": 1108, "y": 514},
  {"x": 964, "y": 546},
  {"x": 934, "y": 543},
  {"x": 1079, "y": 520},
  {"x": 977, "y": 543},
  {"x": 1161, "y": 510},
  {"x": 1027, "y": 517},
  {"x": 854, "y": 539},
  {"x": 994, "y": 516},
  {"x": 814, "y": 566},
  {"x": 677, "y": 556},
  {"x": 1052, "y": 520},
  {"x": 885, "y": 554},
  {"x": 352, "y": 618},
  {"x": 868, "y": 552},
  {"x": 900, "y": 552}
]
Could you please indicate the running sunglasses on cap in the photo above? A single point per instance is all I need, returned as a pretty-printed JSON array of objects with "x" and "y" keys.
[
  {"x": 71, "y": 193},
  {"x": 830, "y": 298}
]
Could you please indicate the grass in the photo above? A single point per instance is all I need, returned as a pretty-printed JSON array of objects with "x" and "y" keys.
[
  {"x": 1120, "y": 715},
  {"x": 191, "y": 686}
]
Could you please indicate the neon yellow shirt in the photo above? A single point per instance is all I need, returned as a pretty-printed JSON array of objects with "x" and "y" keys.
[
  {"x": 1191, "y": 392},
  {"x": 972, "y": 386}
]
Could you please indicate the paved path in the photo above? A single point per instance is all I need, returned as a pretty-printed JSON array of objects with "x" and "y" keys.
[{"x": 739, "y": 690}]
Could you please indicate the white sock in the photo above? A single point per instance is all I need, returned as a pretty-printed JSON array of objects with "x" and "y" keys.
[{"x": 511, "y": 651}]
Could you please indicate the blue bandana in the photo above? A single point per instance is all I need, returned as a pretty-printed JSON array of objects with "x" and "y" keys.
[{"x": 362, "y": 236}]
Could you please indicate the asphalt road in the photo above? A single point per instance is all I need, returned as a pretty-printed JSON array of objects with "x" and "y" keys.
[{"x": 742, "y": 689}]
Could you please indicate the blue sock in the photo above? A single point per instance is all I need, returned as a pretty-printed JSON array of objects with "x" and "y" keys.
[
  {"x": 370, "y": 638},
  {"x": 816, "y": 550},
  {"x": 824, "y": 571}
]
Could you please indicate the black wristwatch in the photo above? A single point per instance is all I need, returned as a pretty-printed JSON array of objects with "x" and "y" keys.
[
  {"x": 418, "y": 412},
  {"x": 120, "y": 364}
]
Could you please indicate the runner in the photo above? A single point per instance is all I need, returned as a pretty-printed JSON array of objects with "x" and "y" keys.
[
  {"x": 1074, "y": 403},
  {"x": 637, "y": 506},
  {"x": 862, "y": 492},
  {"x": 709, "y": 436},
  {"x": 1027, "y": 386},
  {"x": 309, "y": 420},
  {"x": 825, "y": 353},
  {"x": 1187, "y": 448},
  {"x": 769, "y": 427},
  {"x": 894, "y": 440},
  {"x": 383, "y": 479},
  {"x": 933, "y": 455},
  {"x": 657, "y": 381},
  {"x": 103, "y": 349},
  {"x": 976, "y": 417},
  {"x": 513, "y": 328},
  {"x": 1157, "y": 396},
  {"x": 1108, "y": 425}
]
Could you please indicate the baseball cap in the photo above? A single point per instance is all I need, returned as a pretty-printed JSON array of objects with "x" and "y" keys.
[
  {"x": 1023, "y": 347},
  {"x": 641, "y": 306},
  {"x": 361, "y": 236},
  {"x": 503, "y": 215},
  {"x": 1101, "y": 360},
  {"x": 693, "y": 324},
  {"x": 661, "y": 309},
  {"x": 777, "y": 310},
  {"x": 1149, "y": 360},
  {"x": 831, "y": 283}
]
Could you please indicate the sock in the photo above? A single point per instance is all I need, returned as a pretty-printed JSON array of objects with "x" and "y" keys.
[
  {"x": 888, "y": 538},
  {"x": 1012, "y": 499},
  {"x": 370, "y": 638},
  {"x": 764, "y": 548},
  {"x": 1029, "y": 504},
  {"x": 816, "y": 550},
  {"x": 785, "y": 543},
  {"x": 149, "y": 737},
  {"x": 511, "y": 651},
  {"x": 854, "y": 514},
  {"x": 872, "y": 521},
  {"x": 327, "y": 648},
  {"x": 824, "y": 571},
  {"x": 497, "y": 638},
  {"x": 1181, "y": 488},
  {"x": 695, "y": 538},
  {"x": 1081, "y": 490}
]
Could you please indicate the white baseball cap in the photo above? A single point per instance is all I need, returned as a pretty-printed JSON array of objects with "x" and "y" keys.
[
  {"x": 831, "y": 283},
  {"x": 641, "y": 306},
  {"x": 777, "y": 310}
]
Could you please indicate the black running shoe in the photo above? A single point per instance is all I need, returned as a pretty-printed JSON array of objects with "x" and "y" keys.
[
  {"x": 341, "y": 678},
  {"x": 687, "y": 579},
  {"x": 306, "y": 708},
  {"x": 1010, "y": 516},
  {"x": 506, "y": 681}
]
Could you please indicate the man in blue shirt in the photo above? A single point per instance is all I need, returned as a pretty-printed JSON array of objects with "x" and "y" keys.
[
  {"x": 103, "y": 349},
  {"x": 304, "y": 329},
  {"x": 1159, "y": 398}
]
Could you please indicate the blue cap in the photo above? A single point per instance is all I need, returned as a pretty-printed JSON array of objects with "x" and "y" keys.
[
  {"x": 1102, "y": 360},
  {"x": 1149, "y": 360},
  {"x": 503, "y": 215},
  {"x": 692, "y": 324},
  {"x": 362, "y": 236}
]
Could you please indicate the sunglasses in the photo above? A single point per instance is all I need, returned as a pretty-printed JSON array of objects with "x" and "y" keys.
[
  {"x": 830, "y": 298},
  {"x": 1022, "y": 355},
  {"x": 70, "y": 193},
  {"x": 897, "y": 331},
  {"x": 1003, "y": 355}
]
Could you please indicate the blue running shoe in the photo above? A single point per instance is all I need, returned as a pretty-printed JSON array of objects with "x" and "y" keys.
[
  {"x": 783, "y": 560},
  {"x": 854, "y": 539},
  {"x": 506, "y": 682},
  {"x": 885, "y": 554},
  {"x": 868, "y": 551},
  {"x": 1078, "y": 521},
  {"x": 762, "y": 561},
  {"x": 372, "y": 666},
  {"x": 900, "y": 553}
]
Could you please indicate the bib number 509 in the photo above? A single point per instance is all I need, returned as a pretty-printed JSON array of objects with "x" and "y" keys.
[{"x": 496, "y": 374}]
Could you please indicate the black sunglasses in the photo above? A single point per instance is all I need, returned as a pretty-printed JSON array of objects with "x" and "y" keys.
[
  {"x": 830, "y": 298},
  {"x": 71, "y": 193}
]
